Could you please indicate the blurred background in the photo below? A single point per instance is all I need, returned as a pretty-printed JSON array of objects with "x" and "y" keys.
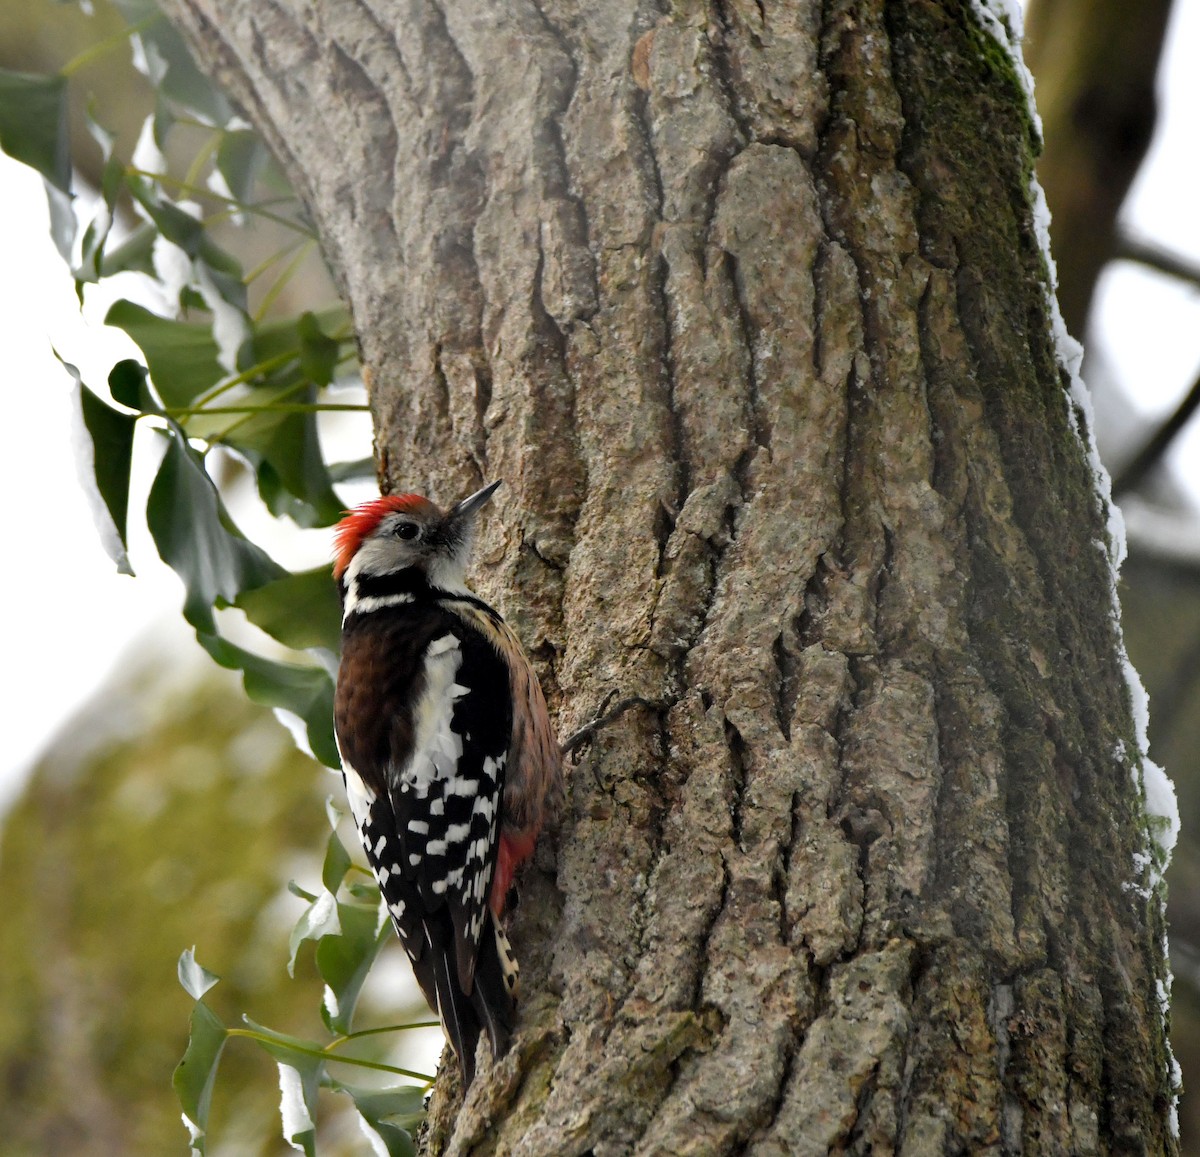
[{"x": 135, "y": 770}]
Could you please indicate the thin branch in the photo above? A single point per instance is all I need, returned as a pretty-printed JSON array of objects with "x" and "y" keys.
[
  {"x": 353, "y": 1036},
  {"x": 233, "y": 205},
  {"x": 1156, "y": 257},
  {"x": 1136, "y": 469},
  {"x": 270, "y": 408},
  {"x": 325, "y": 1055},
  {"x": 116, "y": 40}
]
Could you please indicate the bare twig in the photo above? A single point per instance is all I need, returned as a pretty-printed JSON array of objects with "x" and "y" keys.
[{"x": 1136, "y": 469}]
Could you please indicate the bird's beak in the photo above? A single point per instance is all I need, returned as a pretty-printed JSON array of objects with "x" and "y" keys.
[{"x": 465, "y": 510}]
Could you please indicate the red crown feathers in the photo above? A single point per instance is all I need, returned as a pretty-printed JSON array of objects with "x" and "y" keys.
[{"x": 348, "y": 535}]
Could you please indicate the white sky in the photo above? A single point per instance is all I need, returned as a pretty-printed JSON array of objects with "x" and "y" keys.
[
  {"x": 67, "y": 614},
  {"x": 68, "y": 617}
]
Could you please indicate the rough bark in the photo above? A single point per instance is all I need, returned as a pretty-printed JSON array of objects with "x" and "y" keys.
[{"x": 745, "y": 303}]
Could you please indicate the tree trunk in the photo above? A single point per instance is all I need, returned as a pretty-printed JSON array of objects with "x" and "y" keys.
[{"x": 746, "y": 304}]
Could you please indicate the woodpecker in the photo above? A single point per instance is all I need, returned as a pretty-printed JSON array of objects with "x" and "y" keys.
[{"x": 448, "y": 755}]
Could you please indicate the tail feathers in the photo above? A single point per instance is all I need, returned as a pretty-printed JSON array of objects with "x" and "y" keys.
[
  {"x": 491, "y": 1004},
  {"x": 454, "y": 1007},
  {"x": 493, "y": 996}
]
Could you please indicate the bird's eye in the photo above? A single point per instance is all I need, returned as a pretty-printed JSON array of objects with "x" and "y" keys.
[{"x": 408, "y": 531}]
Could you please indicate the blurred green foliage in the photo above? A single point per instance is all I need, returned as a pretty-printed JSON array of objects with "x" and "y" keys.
[{"x": 114, "y": 861}]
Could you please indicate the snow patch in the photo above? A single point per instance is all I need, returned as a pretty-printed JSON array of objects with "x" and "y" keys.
[{"x": 1005, "y": 20}]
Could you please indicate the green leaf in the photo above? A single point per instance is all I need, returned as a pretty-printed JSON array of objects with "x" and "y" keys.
[
  {"x": 319, "y": 919},
  {"x": 63, "y": 224},
  {"x": 224, "y": 273},
  {"x": 173, "y": 223},
  {"x": 318, "y": 353},
  {"x": 343, "y": 960},
  {"x": 112, "y": 181},
  {"x": 392, "y": 1114},
  {"x": 299, "y": 1081},
  {"x": 33, "y": 124},
  {"x": 301, "y": 610},
  {"x": 306, "y": 692},
  {"x": 297, "y": 1108},
  {"x": 196, "y": 537},
  {"x": 169, "y": 65},
  {"x": 336, "y": 865},
  {"x": 282, "y": 335},
  {"x": 182, "y": 356},
  {"x": 285, "y": 449},
  {"x": 195, "y": 978},
  {"x": 127, "y": 384},
  {"x": 195, "y": 1074},
  {"x": 240, "y": 158},
  {"x": 135, "y": 253},
  {"x": 104, "y": 456}
]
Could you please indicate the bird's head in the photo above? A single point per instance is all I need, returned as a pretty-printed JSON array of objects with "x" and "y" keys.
[{"x": 408, "y": 532}]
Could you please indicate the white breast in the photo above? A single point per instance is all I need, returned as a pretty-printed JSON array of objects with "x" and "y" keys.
[{"x": 436, "y": 747}]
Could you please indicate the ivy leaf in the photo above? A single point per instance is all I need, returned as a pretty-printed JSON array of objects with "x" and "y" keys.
[
  {"x": 173, "y": 223},
  {"x": 285, "y": 449},
  {"x": 336, "y": 865},
  {"x": 103, "y": 443},
  {"x": 33, "y": 124},
  {"x": 223, "y": 275},
  {"x": 182, "y": 356},
  {"x": 299, "y": 1080},
  {"x": 127, "y": 384},
  {"x": 195, "y": 1074},
  {"x": 195, "y": 978},
  {"x": 343, "y": 960},
  {"x": 135, "y": 253},
  {"x": 393, "y": 1115},
  {"x": 318, "y": 352},
  {"x": 297, "y": 1107},
  {"x": 196, "y": 537},
  {"x": 240, "y": 158},
  {"x": 319, "y": 919},
  {"x": 306, "y": 692},
  {"x": 112, "y": 181},
  {"x": 300, "y": 609},
  {"x": 165, "y": 59},
  {"x": 63, "y": 224}
]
